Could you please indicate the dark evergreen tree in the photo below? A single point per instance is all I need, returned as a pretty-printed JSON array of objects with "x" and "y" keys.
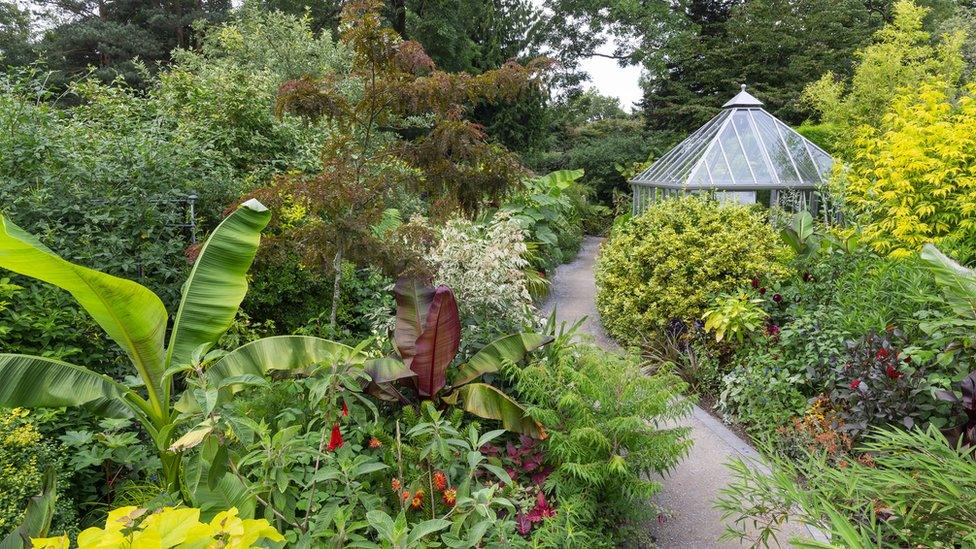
[
  {"x": 15, "y": 34},
  {"x": 111, "y": 35},
  {"x": 775, "y": 46}
]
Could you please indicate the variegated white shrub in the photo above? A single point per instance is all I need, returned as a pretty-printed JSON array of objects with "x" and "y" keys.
[{"x": 485, "y": 266}]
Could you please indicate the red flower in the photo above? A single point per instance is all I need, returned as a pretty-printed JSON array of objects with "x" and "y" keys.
[
  {"x": 335, "y": 441},
  {"x": 855, "y": 383},
  {"x": 345, "y": 409},
  {"x": 755, "y": 282},
  {"x": 405, "y": 495},
  {"x": 375, "y": 442},
  {"x": 440, "y": 481},
  {"x": 395, "y": 484},
  {"x": 882, "y": 354},
  {"x": 772, "y": 330},
  {"x": 891, "y": 372},
  {"x": 762, "y": 291},
  {"x": 450, "y": 497},
  {"x": 418, "y": 500},
  {"x": 777, "y": 298}
]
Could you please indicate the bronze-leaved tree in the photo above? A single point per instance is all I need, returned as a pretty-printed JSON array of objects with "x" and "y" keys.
[{"x": 399, "y": 127}]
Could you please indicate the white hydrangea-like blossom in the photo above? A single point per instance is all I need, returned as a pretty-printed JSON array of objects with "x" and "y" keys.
[{"x": 485, "y": 266}]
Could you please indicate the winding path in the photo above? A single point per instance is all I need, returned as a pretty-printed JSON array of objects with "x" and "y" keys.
[{"x": 690, "y": 489}]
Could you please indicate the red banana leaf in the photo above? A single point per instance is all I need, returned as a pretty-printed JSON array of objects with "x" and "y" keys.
[
  {"x": 438, "y": 344},
  {"x": 413, "y": 299}
]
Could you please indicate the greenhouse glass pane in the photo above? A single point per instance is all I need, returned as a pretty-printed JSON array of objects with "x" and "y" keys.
[
  {"x": 717, "y": 166},
  {"x": 753, "y": 150},
  {"x": 776, "y": 151},
  {"x": 798, "y": 150},
  {"x": 741, "y": 171},
  {"x": 823, "y": 160}
]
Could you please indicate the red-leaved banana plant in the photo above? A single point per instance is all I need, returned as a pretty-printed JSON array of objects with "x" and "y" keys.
[{"x": 427, "y": 337}]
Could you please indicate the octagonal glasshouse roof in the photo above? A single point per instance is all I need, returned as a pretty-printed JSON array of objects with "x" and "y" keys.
[{"x": 742, "y": 148}]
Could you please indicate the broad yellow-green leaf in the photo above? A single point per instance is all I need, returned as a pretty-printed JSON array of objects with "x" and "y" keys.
[
  {"x": 218, "y": 282},
  {"x": 193, "y": 437},
  {"x": 170, "y": 525},
  {"x": 37, "y": 382},
  {"x": 132, "y": 315},
  {"x": 294, "y": 353},
  {"x": 510, "y": 348},
  {"x": 486, "y": 401}
]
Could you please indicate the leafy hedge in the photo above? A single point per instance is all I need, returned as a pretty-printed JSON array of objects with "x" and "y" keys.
[{"x": 668, "y": 262}]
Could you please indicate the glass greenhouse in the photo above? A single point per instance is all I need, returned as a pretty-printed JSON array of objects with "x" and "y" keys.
[{"x": 742, "y": 151}]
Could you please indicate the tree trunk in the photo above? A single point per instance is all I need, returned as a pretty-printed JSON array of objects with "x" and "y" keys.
[{"x": 337, "y": 266}]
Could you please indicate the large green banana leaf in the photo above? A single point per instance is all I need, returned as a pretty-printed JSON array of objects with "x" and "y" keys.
[
  {"x": 957, "y": 282},
  {"x": 510, "y": 348},
  {"x": 132, "y": 315},
  {"x": 37, "y": 517},
  {"x": 486, "y": 401},
  {"x": 218, "y": 282},
  {"x": 293, "y": 353},
  {"x": 36, "y": 382},
  {"x": 214, "y": 496},
  {"x": 382, "y": 373}
]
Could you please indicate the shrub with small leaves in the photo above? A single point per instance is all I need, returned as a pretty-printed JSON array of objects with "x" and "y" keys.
[{"x": 668, "y": 262}]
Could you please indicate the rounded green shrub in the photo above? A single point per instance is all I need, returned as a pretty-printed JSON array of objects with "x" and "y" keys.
[{"x": 667, "y": 263}]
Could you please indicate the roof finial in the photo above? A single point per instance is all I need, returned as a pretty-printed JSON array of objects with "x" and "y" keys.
[{"x": 743, "y": 86}]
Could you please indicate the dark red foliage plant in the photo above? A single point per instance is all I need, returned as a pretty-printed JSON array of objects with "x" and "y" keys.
[{"x": 964, "y": 432}]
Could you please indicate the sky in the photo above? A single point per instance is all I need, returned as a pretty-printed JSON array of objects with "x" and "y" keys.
[
  {"x": 611, "y": 79},
  {"x": 608, "y": 77}
]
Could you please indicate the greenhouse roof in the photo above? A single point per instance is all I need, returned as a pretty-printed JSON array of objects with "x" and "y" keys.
[{"x": 742, "y": 148}]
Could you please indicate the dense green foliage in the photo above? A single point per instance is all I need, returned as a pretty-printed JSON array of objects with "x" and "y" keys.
[
  {"x": 409, "y": 137},
  {"x": 667, "y": 263},
  {"x": 600, "y": 411},
  {"x": 907, "y": 488}
]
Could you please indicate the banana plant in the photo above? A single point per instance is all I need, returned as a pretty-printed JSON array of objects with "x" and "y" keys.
[
  {"x": 135, "y": 318},
  {"x": 427, "y": 337}
]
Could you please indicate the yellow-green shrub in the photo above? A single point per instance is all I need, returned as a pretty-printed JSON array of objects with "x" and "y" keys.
[
  {"x": 668, "y": 262},
  {"x": 913, "y": 180},
  {"x": 24, "y": 454}
]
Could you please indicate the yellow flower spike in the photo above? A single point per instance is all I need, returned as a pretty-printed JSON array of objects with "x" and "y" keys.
[{"x": 60, "y": 542}]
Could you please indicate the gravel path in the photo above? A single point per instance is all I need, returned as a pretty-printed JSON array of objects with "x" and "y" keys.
[{"x": 691, "y": 488}]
